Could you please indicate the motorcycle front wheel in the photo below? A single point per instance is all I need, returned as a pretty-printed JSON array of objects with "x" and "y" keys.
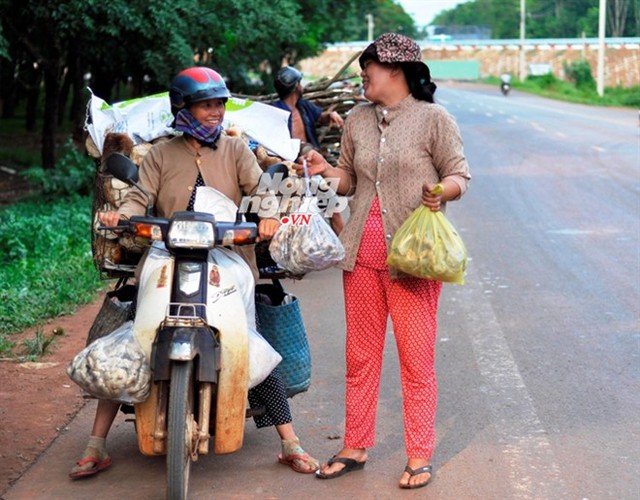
[{"x": 180, "y": 430}]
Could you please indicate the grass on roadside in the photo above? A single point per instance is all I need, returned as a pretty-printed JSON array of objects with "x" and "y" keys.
[
  {"x": 46, "y": 266},
  {"x": 38, "y": 346}
]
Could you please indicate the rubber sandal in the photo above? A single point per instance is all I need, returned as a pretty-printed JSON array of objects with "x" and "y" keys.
[
  {"x": 415, "y": 472},
  {"x": 100, "y": 465},
  {"x": 305, "y": 458},
  {"x": 350, "y": 465}
]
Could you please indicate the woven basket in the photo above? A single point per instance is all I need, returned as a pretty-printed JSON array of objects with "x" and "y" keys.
[
  {"x": 283, "y": 327},
  {"x": 115, "y": 310},
  {"x": 114, "y": 256}
]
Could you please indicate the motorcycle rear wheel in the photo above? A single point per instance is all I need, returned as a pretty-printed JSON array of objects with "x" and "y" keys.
[{"x": 180, "y": 429}]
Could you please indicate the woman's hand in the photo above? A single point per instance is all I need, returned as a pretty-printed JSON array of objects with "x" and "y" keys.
[
  {"x": 109, "y": 218},
  {"x": 432, "y": 196},
  {"x": 316, "y": 164},
  {"x": 267, "y": 228}
]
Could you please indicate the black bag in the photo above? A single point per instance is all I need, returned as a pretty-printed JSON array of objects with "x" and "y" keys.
[
  {"x": 115, "y": 310},
  {"x": 280, "y": 322}
]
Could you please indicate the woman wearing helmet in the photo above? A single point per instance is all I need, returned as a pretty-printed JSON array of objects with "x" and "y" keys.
[{"x": 170, "y": 172}]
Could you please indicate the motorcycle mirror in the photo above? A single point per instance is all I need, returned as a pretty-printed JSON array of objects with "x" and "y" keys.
[{"x": 122, "y": 168}]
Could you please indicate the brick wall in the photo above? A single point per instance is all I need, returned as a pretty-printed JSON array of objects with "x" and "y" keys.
[{"x": 622, "y": 61}]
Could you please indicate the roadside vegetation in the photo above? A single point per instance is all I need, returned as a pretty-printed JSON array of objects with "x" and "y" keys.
[{"x": 46, "y": 266}]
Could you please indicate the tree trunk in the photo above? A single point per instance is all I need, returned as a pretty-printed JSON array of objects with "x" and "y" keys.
[
  {"x": 33, "y": 93},
  {"x": 617, "y": 16},
  {"x": 77, "y": 112},
  {"x": 49, "y": 125},
  {"x": 7, "y": 88},
  {"x": 74, "y": 83},
  {"x": 31, "y": 84},
  {"x": 102, "y": 84},
  {"x": 65, "y": 88}
]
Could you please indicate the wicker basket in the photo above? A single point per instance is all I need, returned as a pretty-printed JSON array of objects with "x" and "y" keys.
[
  {"x": 281, "y": 324},
  {"x": 115, "y": 256}
]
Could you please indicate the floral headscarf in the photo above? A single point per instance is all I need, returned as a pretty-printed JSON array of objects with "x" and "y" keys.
[{"x": 399, "y": 49}]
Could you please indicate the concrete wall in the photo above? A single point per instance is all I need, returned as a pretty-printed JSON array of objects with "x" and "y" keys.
[{"x": 622, "y": 60}]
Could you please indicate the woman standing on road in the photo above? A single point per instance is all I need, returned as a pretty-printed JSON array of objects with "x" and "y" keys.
[{"x": 394, "y": 151}]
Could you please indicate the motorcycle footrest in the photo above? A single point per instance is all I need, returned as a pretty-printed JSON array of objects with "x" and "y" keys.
[{"x": 258, "y": 411}]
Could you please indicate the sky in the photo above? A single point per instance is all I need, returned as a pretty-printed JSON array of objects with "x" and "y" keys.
[{"x": 423, "y": 11}]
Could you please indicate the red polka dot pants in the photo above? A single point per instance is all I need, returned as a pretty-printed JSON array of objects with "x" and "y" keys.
[{"x": 370, "y": 297}]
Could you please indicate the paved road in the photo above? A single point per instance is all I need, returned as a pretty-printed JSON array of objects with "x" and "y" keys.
[{"x": 538, "y": 354}]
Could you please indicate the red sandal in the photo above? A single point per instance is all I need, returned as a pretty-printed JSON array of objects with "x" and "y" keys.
[
  {"x": 295, "y": 457},
  {"x": 99, "y": 465}
]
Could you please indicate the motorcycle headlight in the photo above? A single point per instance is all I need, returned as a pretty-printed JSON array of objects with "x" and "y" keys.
[{"x": 191, "y": 234}]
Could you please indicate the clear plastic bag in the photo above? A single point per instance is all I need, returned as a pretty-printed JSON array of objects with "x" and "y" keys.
[
  {"x": 113, "y": 367},
  {"x": 428, "y": 246},
  {"x": 309, "y": 244}
]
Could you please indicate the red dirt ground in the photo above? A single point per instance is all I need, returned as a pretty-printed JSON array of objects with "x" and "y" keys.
[{"x": 37, "y": 399}]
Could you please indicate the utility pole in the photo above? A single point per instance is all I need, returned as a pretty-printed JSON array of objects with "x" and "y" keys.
[
  {"x": 523, "y": 64},
  {"x": 369, "y": 27},
  {"x": 602, "y": 18}
]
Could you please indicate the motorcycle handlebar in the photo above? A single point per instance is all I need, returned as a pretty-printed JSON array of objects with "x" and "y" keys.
[{"x": 123, "y": 225}]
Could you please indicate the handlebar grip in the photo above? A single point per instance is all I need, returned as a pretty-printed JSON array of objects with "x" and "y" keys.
[
  {"x": 123, "y": 225},
  {"x": 113, "y": 228}
]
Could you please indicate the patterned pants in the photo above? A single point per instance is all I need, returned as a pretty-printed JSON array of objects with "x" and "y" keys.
[
  {"x": 370, "y": 297},
  {"x": 271, "y": 394}
]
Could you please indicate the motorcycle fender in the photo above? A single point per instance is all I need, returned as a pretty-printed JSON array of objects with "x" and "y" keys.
[
  {"x": 227, "y": 313},
  {"x": 184, "y": 344}
]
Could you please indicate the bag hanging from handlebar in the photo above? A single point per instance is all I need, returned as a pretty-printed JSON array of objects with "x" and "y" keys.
[
  {"x": 113, "y": 367},
  {"x": 306, "y": 241},
  {"x": 115, "y": 310}
]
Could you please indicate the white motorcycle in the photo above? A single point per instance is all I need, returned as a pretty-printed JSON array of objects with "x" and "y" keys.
[{"x": 192, "y": 322}]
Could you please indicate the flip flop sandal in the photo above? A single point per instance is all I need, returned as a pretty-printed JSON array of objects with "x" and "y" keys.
[
  {"x": 350, "y": 465},
  {"x": 415, "y": 472},
  {"x": 99, "y": 466},
  {"x": 291, "y": 459}
]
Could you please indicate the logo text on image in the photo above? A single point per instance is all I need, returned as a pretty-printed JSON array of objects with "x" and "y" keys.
[
  {"x": 297, "y": 219},
  {"x": 287, "y": 197}
]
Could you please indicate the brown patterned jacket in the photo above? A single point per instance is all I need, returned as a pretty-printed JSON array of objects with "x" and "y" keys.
[{"x": 390, "y": 153}]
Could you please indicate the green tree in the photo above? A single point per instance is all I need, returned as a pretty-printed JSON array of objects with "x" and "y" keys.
[
  {"x": 87, "y": 35},
  {"x": 388, "y": 15},
  {"x": 544, "y": 18},
  {"x": 128, "y": 48}
]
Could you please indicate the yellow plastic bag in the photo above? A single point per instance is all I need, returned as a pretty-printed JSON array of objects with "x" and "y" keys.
[{"x": 428, "y": 246}]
